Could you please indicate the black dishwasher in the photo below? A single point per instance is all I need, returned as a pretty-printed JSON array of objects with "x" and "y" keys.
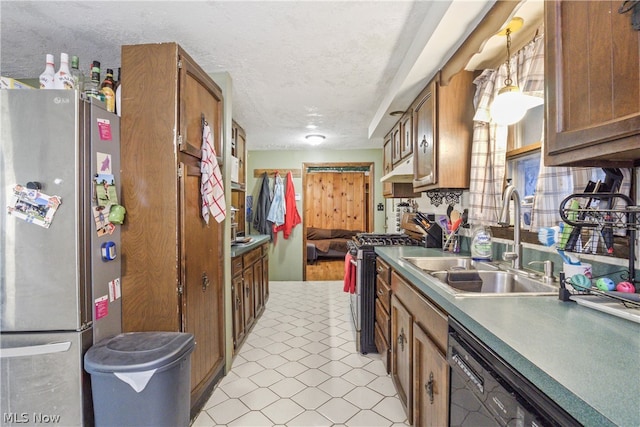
[{"x": 486, "y": 391}]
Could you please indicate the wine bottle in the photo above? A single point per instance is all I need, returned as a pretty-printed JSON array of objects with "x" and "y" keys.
[
  {"x": 78, "y": 78},
  {"x": 92, "y": 86},
  {"x": 107, "y": 89},
  {"x": 63, "y": 78},
  {"x": 48, "y": 75},
  {"x": 119, "y": 93}
]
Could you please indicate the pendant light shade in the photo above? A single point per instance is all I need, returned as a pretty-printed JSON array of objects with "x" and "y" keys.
[{"x": 511, "y": 105}]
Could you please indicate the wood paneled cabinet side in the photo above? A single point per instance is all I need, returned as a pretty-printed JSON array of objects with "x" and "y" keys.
[
  {"x": 173, "y": 266},
  {"x": 402, "y": 353},
  {"x": 387, "y": 164},
  {"x": 394, "y": 189},
  {"x": 250, "y": 288},
  {"x": 430, "y": 381},
  {"x": 592, "y": 85},
  {"x": 406, "y": 127},
  {"x": 443, "y": 131},
  {"x": 382, "y": 337},
  {"x": 427, "y": 391}
]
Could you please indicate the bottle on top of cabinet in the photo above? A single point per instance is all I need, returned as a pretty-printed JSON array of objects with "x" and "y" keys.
[
  {"x": 48, "y": 75},
  {"x": 78, "y": 78},
  {"x": 108, "y": 90},
  {"x": 118, "y": 93},
  {"x": 92, "y": 86},
  {"x": 63, "y": 78}
]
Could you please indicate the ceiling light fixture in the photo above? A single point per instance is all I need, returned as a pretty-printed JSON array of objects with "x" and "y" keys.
[
  {"x": 396, "y": 113},
  {"x": 510, "y": 105},
  {"x": 315, "y": 139}
]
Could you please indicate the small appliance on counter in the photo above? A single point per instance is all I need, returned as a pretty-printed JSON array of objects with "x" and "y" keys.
[{"x": 234, "y": 224}]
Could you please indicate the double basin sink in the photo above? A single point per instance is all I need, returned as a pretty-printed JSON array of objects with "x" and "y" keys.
[{"x": 464, "y": 277}]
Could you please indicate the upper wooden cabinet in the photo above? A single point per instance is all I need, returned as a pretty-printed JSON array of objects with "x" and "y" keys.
[
  {"x": 173, "y": 269},
  {"x": 406, "y": 137},
  {"x": 396, "y": 144},
  {"x": 443, "y": 130},
  {"x": 239, "y": 151},
  {"x": 592, "y": 77},
  {"x": 394, "y": 189}
]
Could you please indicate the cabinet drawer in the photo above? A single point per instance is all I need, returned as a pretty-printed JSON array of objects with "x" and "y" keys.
[
  {"x": 383, "y": 270},
  {"x": 383, "y": 293},
  {"x": 251, "y": 257},
  {"x": 383, "y": 348},
  {"x": 236, "y": 265},
  {"x": 382, "y": 321}
]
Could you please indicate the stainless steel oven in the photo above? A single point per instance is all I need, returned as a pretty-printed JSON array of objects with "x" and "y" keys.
[
  {"x": 486, "y": 391},
  {"x": 362, "y": 302}
]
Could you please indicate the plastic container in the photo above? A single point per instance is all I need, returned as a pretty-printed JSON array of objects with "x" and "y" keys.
[
  {"x": 481, "y": 247},
  {"x": 141, "y": 378}
]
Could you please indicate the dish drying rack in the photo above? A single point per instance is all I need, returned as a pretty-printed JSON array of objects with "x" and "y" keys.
[
  {"x": 605, "y": 219},
  {"x": 566, "y": 284}
]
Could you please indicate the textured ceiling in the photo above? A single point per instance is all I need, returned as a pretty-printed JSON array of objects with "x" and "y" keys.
[{"x": 331, "y": 67}]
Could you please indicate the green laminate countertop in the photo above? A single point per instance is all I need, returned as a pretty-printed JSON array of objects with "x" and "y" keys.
[
  {"x": 256, "y": 240},
  {"x": 585, "y": 360}
]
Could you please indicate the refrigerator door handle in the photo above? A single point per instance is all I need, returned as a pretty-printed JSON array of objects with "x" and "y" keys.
[{"x": 35, "y": 350}]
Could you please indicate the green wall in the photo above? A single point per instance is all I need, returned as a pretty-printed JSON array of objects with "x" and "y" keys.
[{"x": 286, "y": 257}]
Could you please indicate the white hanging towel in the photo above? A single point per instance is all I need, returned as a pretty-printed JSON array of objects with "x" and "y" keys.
[
  {"x": 211, "y": 188},
  {"x": 277, "y": 210}
]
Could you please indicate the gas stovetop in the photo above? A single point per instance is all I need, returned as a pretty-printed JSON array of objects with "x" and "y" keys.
[{"x": 380, "y": 239}]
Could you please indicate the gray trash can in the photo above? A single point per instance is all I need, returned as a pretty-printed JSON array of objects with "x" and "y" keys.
[{"x": 141, "y": 379}]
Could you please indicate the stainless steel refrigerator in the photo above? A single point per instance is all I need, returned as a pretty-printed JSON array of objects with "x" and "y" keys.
[{"x": 60, "y": 271}]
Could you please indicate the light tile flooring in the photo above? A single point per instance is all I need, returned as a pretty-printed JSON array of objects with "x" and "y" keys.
[{"x": 299, "y": 367}]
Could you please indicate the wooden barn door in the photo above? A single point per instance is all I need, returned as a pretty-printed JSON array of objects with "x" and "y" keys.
[{"x": 337, "y": 196}]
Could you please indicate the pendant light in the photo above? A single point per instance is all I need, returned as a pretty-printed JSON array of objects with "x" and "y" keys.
[{"x": 510, "y": 105}]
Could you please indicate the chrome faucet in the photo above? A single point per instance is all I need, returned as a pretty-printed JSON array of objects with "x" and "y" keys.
[{"x": 510, "y": 192}]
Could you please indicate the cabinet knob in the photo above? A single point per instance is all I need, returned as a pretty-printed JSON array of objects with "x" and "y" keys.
[
  {"x": 429, "y": 387},
  {"x": 205, "y": 281},
  {"x": 402, "y": 339},
  {"x": 424, "y": 143}
]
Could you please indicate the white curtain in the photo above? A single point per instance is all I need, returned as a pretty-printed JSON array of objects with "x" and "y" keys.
[{"x": 489, "y": 146}]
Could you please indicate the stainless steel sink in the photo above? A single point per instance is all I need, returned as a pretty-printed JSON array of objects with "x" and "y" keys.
[
  {"x": 440, "y": 263},
  {"x": 492, "y": 283}
]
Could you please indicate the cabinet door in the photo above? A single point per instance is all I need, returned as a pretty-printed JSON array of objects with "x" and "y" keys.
[
  {"x": 237, "y": 292},
  {"x": 396, "y": 144},
  {"x": 258, "y": 291},
  {"x": 406, "y": 147},
  {"x": 592, "y": 84},
  {"x": 424, "y": 138},
  {"x": 401, "y": 352},
  {"x": 241, "y": 141},
  {"x": 387, "y": 187},
  {"x": 200, "y": 266},
  {"x": 265, "y": 274},
  {"x": 199, "y": 99},
  {"x": 431, "y": 382},
  {"x": 249, "y": 308}
]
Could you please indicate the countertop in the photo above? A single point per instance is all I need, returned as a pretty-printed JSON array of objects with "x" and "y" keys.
[
  {"x": 585, "y": 360},
  {"x": 241, "y": 248}
]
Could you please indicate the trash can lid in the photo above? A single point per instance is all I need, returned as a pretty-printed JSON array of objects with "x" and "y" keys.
[{"x": 138, "y": 351}]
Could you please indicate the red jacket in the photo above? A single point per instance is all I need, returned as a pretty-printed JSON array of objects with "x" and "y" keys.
[{"x": 291, "y": 216}]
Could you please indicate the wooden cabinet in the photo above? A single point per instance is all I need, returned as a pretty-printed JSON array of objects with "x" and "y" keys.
[
  {"x": 418, "y": 352},
  {"x": 238, "y": 185},
  {"x": 382, "y": 337},
  {"x": 250, "y": 290},
  {"x": 431, "y": 381},
  {"x": 443, "y": 131},
  {"x": 396, "y": 144},
  {"x": 592, "y": 83},
  {"x": 172, "y": 278},
  {"x": 394, "y": 189},
  {"x": 401, "y": 353},
  {"x": 406, "y": 138}
]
